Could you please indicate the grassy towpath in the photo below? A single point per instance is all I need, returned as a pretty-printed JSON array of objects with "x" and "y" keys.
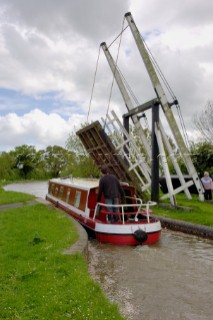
[
  {"x": 193, "y": 211},
  {"x": 37, "y": 280}
]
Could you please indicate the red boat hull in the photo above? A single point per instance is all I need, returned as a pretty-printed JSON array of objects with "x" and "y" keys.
[
  {"x": 80, "y": 203},
  {"x": 127, "y": 239}
]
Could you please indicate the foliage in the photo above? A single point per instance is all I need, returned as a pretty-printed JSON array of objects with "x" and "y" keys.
[
  {"x": 7, "y": 167},
  {"x": 204, "y": 122},
  {"x": 38, "y": 280},
  {"x": 75, "y": 145},
  {"x": 25, "y": 159},
  {"x": 84, "y": 165},
  {"x": 86, "y": 168},
  {"x": 202, "y": 157},
  {"x": 24, "y": 162},
  {"x": 57, "y": 159}
]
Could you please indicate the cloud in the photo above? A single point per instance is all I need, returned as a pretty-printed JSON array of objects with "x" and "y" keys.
[
  {"x": 73, "y": 19},
  {"x": 49, "y": 50},
  {"x": 36, "y": 128}
]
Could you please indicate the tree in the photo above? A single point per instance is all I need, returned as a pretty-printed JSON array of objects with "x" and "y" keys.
[
  {"x": 57, "y": 159},
  {"x": 25, "y": 159},
  {"x": 75, "y": 145},
  {"x": 84, "y": 166},
  {"x": 204, "y": 122},
  {"x": 7, "y": 163},
  {"x": 202, "y": 157}
]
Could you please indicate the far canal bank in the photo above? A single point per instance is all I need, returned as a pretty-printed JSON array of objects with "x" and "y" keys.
[{"x": 186, "y": 227}]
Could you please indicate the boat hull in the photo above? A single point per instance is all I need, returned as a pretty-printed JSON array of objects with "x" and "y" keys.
[
  {"x": 127, "y": 239},
  {"x": 114, "y": 233}
]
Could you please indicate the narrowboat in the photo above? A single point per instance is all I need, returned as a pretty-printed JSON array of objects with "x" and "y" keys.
[{"x": 78, "y": 198}]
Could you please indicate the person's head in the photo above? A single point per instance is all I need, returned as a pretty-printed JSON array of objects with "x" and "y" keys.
[
  {"x": 104, "y": 170},
  {"x": 206, "y": 174}
]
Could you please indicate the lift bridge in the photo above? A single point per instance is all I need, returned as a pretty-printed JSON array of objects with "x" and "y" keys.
[{"x": 110, "y": 143}]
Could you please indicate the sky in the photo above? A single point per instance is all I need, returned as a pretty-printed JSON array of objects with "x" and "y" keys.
[{"x": 54, "y": 78}]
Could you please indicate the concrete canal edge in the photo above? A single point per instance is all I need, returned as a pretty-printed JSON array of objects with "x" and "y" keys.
[
  {"x": 177, "y": 225},
  {"x": 186, "y": 227},
  {"x": 81, "y": 245}
]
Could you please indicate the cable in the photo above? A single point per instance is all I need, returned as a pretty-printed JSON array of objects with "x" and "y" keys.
[
  {"x": 114, "y": 73},
  {"x": 154, "y": 62},
  {"x": 118, "y": 36},
  {"x": 133, "y": 97},
  {"x": 129, "y": 89},
  {"x": 93, "y": 84},
  {"x": 183, "y": 126},
  {"x": 123, "y": 29},
  {"x": 169, "y": 90}
]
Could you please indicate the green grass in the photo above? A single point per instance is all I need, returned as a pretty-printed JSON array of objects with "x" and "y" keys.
[
  {"x": 13, "y": 197},
  {"x": 200, "y": 213},
  {"x": 39, "y": 281}
]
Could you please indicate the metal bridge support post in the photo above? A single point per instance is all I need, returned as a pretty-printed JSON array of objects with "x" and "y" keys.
[
  {"x": 165, "y": 105},
  {"x": 126, "y": 126},
  {"x": 155, "y": 156}
]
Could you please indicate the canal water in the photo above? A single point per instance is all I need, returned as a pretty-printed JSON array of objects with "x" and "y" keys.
[{"x": 170, "y": 280}]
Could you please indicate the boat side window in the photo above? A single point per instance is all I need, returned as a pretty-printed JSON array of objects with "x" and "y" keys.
[
  {"x": 77, "y": 199},
  {"x": 52, "y": 188},
  {"x": 61, "y": 192},
  {"x": 68, "y": 195},
  {"x": 56, "y": 192}
]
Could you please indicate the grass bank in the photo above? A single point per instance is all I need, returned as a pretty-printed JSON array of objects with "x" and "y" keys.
[
  {"x": 193, "y": 211},
  {"x": 13, "y": 197},
  {"x": 39, "y": 281}
]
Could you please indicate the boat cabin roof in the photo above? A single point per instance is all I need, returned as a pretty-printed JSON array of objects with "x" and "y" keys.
[
  {"x": 85, "y": 184},
  {"x": 77, "y": 183}
]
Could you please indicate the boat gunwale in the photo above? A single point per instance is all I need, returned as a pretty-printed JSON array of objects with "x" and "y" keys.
[{"x": 152, "y": 220}]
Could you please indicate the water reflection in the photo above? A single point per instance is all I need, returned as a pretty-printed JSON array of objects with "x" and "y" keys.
[{"x": 169, "y": 280}]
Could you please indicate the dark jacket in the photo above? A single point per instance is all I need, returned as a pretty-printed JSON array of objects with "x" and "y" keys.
[{"x": 110, "y": 187}]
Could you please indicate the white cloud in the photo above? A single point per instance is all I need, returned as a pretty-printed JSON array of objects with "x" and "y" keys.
[
  {"x": 36, "y": 128},
  {"x": 52, "y": 46}
]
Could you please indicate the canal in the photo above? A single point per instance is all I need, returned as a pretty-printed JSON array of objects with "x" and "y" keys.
[{"x": 169, "y": 280}]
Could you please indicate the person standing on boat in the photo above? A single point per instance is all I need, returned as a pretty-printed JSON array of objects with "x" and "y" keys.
[
  {"x": 110, "y": 187},
  {"x": 207, "y": 184}
]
